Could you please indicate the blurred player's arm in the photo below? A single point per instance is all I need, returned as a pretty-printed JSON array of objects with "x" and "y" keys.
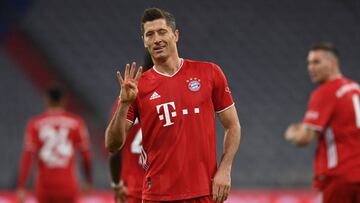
[
  {"x": 24, "y": 171},
  {"x": 300, "y": 134},
  {"x": 86, "y": 163},
  {"x": 84, "y": 148},
  {"x": 222, "y": 178},
  {"x": 26, "y": 160},
  {"x": 115, "y": 134},
  {"x": 115, "y": 173}
]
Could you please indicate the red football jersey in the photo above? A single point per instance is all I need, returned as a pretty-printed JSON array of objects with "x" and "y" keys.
[
  {"x": 334, "y": 110},
  {"x": 54, "y": 136},
  {"x": 132, "y": 171},
  {"x": 177, "y": 116}
]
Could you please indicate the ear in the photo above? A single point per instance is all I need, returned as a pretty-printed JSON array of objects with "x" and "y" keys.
[
  {"x": 142, "y": 37},
  {"x": 176, "y": 33}
]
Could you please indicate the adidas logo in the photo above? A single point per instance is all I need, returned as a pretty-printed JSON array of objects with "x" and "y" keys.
[{"x": 155, "y": 95}]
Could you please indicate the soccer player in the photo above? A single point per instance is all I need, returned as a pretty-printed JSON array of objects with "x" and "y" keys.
[
  {"x": 333, "y": 118},
  {"x": 176, "y": 102},
  {"x": 126, "y": 163},
  {"x": 53, "y": 137}
]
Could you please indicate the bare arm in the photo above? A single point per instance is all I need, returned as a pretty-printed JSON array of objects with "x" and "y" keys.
[
  {"x": 222, "y": 179},
  {"x": 300, "y": 134},
  {"x": 116, "y": 131},
  {"x": 115, "y": 134},
  {"x": 87, "y": 168},
  {"x": 115, "y": 164}
]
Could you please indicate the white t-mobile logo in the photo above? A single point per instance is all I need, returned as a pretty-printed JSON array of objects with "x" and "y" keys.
[{"x": 167, "y": 114}]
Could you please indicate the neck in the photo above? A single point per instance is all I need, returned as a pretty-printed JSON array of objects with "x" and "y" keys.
[
  {"x": 55, "y": 108},
  {"x": 334, "y": 76},
  {"x": 169, "y": 66}
]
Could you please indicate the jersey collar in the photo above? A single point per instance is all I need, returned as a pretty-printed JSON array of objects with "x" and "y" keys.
[{"x": 166, "y": 75}]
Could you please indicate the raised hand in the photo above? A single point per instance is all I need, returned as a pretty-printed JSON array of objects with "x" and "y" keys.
[{"x": 128, "y": 84}]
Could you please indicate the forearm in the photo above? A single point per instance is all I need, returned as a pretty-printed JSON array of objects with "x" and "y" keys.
[
  {"x": 87, "y": 167},
  {"x": 115, "y": 166},
  {"x": 115, "y": 133},
  {"x": 230, "y": 147},
  {"x": 24, "y": 170},
  {"x": 299, "y": 134}
]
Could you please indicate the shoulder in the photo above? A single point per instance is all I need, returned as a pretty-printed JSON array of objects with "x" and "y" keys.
[
  {"x": 333, "y": 88},
  {"x": 36, "y": 119},
  {"x": 206, "y": 68},
  {"x": 201, "y": 64},
  {"x": 147, "y": 75},
  {"x": 72, "y": 119},
  {"x": 31, "y": 122}
]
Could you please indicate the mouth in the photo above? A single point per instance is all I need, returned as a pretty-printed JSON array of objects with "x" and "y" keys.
[
  {"x": 312, "y": 74},
  {"x": 158, "y": 49}
]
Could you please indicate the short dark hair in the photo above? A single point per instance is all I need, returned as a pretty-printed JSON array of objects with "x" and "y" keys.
[
  {"x": 147, "y": 63},
  {"x": 151, "y": 14},
  {"x": 55, "y": 94},
  {"x": 326, "y": 46}
]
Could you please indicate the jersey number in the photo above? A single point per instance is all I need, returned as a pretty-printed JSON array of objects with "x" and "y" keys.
[
  {"x": 136, "y": 143},
  {"x": 57, "y": 148},
  {"x": 136, "y": 146},
  {"x": 356, "y": 103}
]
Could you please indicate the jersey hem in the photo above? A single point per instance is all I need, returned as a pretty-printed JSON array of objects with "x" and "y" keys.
[
  {"x": 162, "y": 197},
  {"x": 226, "y": 108}
]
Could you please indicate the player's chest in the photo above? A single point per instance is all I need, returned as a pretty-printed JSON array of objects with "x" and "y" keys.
[{"x": 183, "y": 94}]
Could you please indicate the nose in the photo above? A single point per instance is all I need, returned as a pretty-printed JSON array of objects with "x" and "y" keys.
[{"x": 157, "y": 39}]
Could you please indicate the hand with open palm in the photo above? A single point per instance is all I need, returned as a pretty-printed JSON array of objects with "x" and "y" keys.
[{"x": 129, "y": 84}]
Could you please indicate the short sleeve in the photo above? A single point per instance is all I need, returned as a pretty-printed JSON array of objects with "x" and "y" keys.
[
  {"x": 222, "y": 98},
  {"x": 132, "y": 112},
  {"x": 320, "y": 109}
]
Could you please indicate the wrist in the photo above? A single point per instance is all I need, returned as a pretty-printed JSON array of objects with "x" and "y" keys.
[
  {"x": 118, "y": 185},
  {"x": 124, "y": 102},
  {"x": 225, "y": 168}
]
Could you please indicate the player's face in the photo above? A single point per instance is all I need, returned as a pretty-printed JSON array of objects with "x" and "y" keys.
[
  {"x": 160, "y": 39},
  {"x": 319, "y": 66}
]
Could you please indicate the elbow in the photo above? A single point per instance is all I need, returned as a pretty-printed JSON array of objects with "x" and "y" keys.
[
  {"x": 113, "y": 146},
  {"x": 237, "y": 128},
  {"x": 113, "y": 141},
  {"x": 303, "y": 142}
]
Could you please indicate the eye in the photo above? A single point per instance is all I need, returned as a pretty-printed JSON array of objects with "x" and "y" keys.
[
  {"x": 149, "y": 34},
  {"x": 162, "y": 31}
]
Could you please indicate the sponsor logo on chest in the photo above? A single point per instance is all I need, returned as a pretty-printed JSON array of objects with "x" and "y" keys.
[
  {"x": 194, "y": 84},
  {"x": 167, "y": 111}
]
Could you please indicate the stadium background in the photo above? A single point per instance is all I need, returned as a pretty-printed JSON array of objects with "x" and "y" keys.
[{"x": 261, "y": 46}]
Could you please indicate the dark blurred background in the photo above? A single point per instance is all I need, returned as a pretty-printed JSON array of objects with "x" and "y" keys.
[{"x": 261, "y": 46}]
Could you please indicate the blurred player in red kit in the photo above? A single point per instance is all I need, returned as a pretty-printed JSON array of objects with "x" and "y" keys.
[
  {"x": 53, "y": 138},
  {"x": 125, "y": 164},
  {"x": 333, "y": 118},
  {"x": 175, "y": 102}
]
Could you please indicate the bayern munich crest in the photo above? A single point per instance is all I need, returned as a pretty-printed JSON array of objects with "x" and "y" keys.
[{"x": 194, "y": 84}]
